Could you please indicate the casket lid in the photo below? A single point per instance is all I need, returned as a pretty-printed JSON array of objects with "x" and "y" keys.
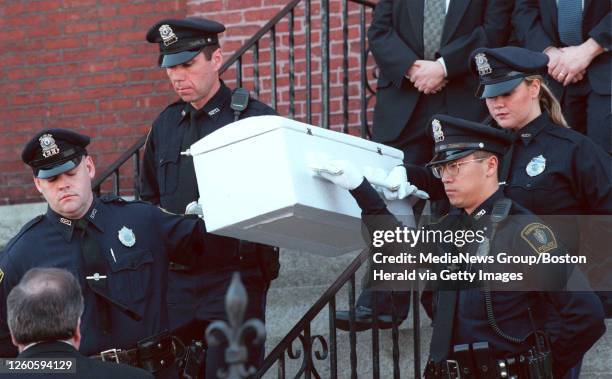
[{"x": 254, "y": 126}]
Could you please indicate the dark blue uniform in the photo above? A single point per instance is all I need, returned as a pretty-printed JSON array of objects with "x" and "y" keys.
[
  {"x": 582, "y": 313},
  {"x": 196, "y": 294},
  {"x": 137, "y": 274}
]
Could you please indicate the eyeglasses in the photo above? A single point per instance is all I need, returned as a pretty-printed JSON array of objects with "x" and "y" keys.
[{"x": 451, "y": 168}]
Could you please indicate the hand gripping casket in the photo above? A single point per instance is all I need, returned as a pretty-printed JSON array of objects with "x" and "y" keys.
[{"x": 256, "y": 183}]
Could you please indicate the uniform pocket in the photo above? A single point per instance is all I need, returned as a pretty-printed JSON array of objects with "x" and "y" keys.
[
  {"x": 167, "y": 172},
  {"x": 130, "y": 281}
]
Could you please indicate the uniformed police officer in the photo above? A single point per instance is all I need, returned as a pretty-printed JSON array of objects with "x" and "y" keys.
[
  {"x": 191, "y": 56},
  {"x": 551, "y": 169},
  {"x": 118, "y": 250},
  {"x": 479, "y": 333}
]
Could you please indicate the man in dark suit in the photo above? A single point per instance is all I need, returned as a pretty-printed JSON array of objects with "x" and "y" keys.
[
  {"x": 44, "y": 318},
  {"x": 576, "y": 35},
  {"x": 422, "y": 48}
]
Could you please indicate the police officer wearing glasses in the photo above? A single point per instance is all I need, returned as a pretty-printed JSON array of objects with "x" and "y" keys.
[{"x": 481, "y": 332}]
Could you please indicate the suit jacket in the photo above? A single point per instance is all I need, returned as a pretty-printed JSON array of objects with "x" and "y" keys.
[
  {"x": 536, "y": 27},
  {"x": 396, "y": 40},
  {"x": 87, "y": 368}
]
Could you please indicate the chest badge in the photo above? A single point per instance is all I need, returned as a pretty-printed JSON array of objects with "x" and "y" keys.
[
  {"x": 126, "y": 237},
  {"x": 536, "y": 166}
]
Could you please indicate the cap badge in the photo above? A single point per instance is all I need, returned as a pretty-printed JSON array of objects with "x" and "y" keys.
[
  {"x": 48, "y": 146},
  {"x": 167, "y": 35},
  {"x": 126, "y": 237},
  {"x": 437, "y": 130},
  {"x": 482, "y": 64},
  {"x": 536, "y": 166}
]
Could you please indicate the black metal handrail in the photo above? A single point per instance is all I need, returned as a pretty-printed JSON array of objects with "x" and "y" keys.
[{"x": 253, "y": 45}]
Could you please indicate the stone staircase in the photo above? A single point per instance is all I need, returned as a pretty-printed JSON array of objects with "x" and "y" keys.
[{"x": 303, "y": 278}]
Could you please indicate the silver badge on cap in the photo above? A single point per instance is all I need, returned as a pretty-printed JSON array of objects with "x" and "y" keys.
[
  {"x": 167, "y": 35},
  {"x": 126, "y": 237},
  {"x": 437, "y": 130},
  {"x": 482, "y": 64},
  {"x": 48, "y": 146},
  {"x": 536, "y": 166}
]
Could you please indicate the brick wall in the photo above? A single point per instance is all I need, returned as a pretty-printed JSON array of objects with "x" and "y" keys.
[{"x": 84, "y": 65}]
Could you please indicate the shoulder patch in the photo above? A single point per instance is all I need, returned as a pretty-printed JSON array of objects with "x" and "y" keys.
[
  {"x": 539, "y": 237},
  {"x": 24, "y": 229}
]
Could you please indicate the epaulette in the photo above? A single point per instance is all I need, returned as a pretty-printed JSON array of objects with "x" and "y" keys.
[
  {"x": 24, "y": 229},
  {"x": 562, "y": 132},
  {"x": 110, "y": 198}
]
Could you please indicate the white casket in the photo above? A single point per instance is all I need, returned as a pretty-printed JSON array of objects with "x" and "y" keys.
[{"x": 256, "y": 183}]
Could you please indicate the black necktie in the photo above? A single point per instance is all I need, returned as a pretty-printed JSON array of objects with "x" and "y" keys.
[
  {"x": 96, "y": 275},
  {"x": 95, "y": 271}
]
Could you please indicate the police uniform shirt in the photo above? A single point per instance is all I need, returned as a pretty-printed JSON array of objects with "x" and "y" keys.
[
  {"x": 582, "y": 313},
  {"x": 136, "y": 240},
  {"x": 557, "y": 171},
  {"x": 168, "y": 178}
]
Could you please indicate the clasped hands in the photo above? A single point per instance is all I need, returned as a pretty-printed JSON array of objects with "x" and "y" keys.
[
  {"x": 427, "y": 76},
  {"x": 568, "y": 64}
]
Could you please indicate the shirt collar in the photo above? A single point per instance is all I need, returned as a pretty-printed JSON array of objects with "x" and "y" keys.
[
  {"x": 527, "y": 133},
  {"x": 212, "y": 108},
  {"x": 485, "y": 208},
  {"x": 65, "y": 226}
]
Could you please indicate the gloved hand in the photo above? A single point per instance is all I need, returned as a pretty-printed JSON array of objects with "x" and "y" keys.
[
  {"x": 342, "y": 173},
  {"x": 398, "y": 179},
  {"x": 194, "y": 208}
]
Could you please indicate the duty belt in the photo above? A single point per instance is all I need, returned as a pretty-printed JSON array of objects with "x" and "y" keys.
[
  {"x": 152, "y": 354},
  {"x": 479, "y": 363}
]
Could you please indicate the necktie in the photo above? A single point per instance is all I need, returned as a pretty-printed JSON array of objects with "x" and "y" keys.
[
  {"x": 569, "y": 19},
  {"x": 433, "y": 24},
  {"x": 94, "y": 268}
]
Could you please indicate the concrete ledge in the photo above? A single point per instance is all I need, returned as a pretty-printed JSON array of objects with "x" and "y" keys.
[{"x": 13, "y": 217}]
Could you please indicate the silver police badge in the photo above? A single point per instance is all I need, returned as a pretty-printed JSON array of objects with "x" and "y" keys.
[
  {"x": 126, "y": 237},
  {"x": 482, "y": 64},
  {"x": 48, "y": 146},
  {"x": 167, "y": 35},
  {"x": 437, "y": 130},
  {"x": 536, "y": 166}
]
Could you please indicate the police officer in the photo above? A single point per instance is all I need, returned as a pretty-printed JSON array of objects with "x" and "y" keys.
[
  {"x": 551, "y": 169},
  {"x": 118, "y": 250},
  {"x": 191, "y": 56},
  {"x": 477, "y": 332}
]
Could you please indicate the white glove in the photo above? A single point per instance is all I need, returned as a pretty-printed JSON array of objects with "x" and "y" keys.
[
  {"x": 398, "y": 180},
  {"x": 194, "y": 208},
  {"x": 342, "y": 173}
]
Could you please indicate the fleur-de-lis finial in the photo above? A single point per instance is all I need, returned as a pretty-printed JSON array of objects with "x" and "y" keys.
[{"x": 234, "y": 332}]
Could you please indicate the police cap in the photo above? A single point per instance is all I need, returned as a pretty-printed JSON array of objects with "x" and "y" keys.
[
  {"x": 181, "y": 40},
  {"x": 54, "y": 151},
  {"x": 501, "y": 69},
  {"x": 456, "y": 138}
]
